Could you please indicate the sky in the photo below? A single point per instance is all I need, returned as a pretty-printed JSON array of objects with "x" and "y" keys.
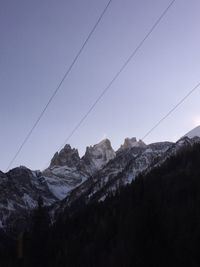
[{"x": 40, "y": 38}]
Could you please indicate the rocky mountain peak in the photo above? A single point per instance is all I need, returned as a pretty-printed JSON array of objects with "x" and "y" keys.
[
  {"x": 104, "y": 144},
  {"x": 131, "y": 142},
  {"x": 98, "y": 155},
  {"x": 101, "y": 147},
  {"x": 66, "y": 157}
]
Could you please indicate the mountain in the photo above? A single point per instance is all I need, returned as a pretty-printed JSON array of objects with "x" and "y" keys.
[
  {"x": 71, "y": 178},
  {"x": 21, "y": 188},
  {"x": 123, "y": 169},
  {"x": 67, "y": 170},
  {"x": 194, "y": 133},
  {"x": 64, "y": 173},
  {"x": 155, "y": 221}
]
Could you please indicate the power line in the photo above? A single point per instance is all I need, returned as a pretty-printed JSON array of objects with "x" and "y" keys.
[
  {"x": 171, "y": 111},
  {"x": 59, "y": 85},
  {"x": 119, "y": 72}
]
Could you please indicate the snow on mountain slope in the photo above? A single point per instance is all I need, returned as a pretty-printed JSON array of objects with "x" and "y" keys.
[
  {"x": 21, "y": 188},
  {"x": 119, "y": 171},
  {"x": 108, "y": 172},
  {"x": 64, "y": 172},
  {"x": 194, "y": 133},
  {"x": 61, "y": 180},
  {"x": 67, "y": 170},
  {"x": 123, "y": 169}
]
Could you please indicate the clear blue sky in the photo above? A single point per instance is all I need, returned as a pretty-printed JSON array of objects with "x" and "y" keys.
[{"x": 38, "y": 41}]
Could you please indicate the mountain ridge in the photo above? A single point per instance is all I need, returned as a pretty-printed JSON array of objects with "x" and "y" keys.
[{"x": 71, "y": 177}]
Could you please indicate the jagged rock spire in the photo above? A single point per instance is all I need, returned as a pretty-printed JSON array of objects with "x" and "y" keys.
[
  {"x": 131, "y": 142},
  {"x": 66, "y": 157}
]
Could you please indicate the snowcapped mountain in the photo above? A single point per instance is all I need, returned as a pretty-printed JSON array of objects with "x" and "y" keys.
[
  {"x": 64, "y": 173},
  {"x": 194, "y": 133},
  {"x": 127, "y": 164},
  {"x": 70, "y": 178},
  {"x": 21, "y": 187},
  {"x": 67, "y": 170},
  {"x": 123, "y": 169}
]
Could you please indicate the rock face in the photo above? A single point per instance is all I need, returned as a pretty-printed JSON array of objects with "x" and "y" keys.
[
  {"x": 131, "y": 142},
  {"x": 97, "y": 156},
  {"x": 67, "y": 157}
]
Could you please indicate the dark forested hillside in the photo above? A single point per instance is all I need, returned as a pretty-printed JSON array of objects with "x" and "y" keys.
[{"x": 155, "y": 221}]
